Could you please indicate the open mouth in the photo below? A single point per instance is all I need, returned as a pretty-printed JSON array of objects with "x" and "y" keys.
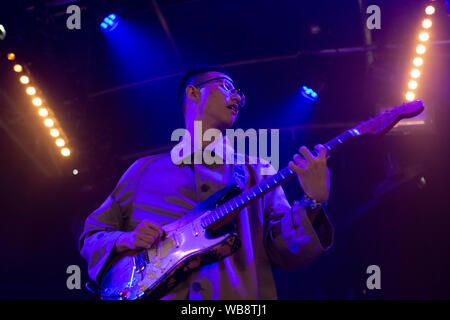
[{"x": 233, "y": 107}]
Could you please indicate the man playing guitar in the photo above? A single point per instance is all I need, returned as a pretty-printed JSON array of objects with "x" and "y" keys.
[{"x": 155, "y": 192}]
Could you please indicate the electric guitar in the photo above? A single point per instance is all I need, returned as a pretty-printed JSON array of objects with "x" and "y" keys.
[{"x": 204, "y": 235}]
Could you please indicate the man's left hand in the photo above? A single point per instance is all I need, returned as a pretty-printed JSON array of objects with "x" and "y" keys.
[{"x": 313, "y": 173}]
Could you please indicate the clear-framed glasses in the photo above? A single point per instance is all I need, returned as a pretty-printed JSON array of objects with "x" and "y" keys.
[{"x": 227, "y": 87}]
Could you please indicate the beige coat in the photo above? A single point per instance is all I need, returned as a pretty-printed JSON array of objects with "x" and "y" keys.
[{"x": 155, "y": 188}]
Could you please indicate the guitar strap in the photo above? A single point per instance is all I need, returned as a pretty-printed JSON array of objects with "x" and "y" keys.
[{"x": 238, "y": 171}]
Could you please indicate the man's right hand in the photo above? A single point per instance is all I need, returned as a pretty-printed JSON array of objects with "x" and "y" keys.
[{"x": 143, "y": 236}]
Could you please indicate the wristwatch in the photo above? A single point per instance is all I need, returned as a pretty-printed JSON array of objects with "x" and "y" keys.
[{"x": 311, "y": 203}]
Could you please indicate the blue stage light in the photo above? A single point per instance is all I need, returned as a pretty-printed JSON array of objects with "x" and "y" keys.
[
  {"x": 309, "y": 93},
  {"x": 110, "y": 22}
]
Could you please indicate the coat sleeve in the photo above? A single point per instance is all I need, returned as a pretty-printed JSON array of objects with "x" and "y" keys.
[
  {"x": 290, "y": 239},
  {"x": 103, "y": 227}
]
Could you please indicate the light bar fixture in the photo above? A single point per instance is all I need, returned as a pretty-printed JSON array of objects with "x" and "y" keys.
[
  {"x": 420, "y": 51},
  {"x": 42, "y": 109}
]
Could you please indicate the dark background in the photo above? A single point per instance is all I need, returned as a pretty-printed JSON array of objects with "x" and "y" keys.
[{"x": 114, "y": 96}]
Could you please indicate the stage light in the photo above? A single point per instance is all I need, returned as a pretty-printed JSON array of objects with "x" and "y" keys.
[
  {"x": 31, "y": 91},
  {"x": 415, "y": 73},
  {"x": 420, "y": 49},
  {"x": 424, "y": 36},
  {"x": 37, "y": 102},
  {"x": 109, "y": 23},
  {"x": 2, "y": 32},
  {"x": 43, "y": 112},
  {"x": 75, "y": 172},
  {"x": 418, "y": 62},
  {"x": 412, "y": 84},
  {"x": 65, "y": 152},
  {"x": 49, "y": 123},
  {"x": 430, "y": 10},
  {"x": 309, "y": 93},
  {"x": 426, "y": 23},
  {"x": 410, "y": 96},
  {"x": 17, "y": 68},
  {"x": 60, "y": 142},
  {"x": 54, "y": 133},
  {"x": 24, "y": 79}
]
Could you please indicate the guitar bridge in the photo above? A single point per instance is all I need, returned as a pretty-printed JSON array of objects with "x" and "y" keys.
[{"x": 140, "y": 261}]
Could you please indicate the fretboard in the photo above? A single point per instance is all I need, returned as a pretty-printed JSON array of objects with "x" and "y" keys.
[{"x": 260, "y": 189}]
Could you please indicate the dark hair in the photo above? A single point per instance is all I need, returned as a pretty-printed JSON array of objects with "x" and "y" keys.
[{"x": 190, "y": 78}]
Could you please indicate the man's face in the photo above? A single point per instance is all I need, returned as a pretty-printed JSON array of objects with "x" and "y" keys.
[{"x": 218, "y": 106}]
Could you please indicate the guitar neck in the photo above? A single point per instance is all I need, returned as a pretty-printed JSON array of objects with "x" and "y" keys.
[{"x": 227, "y": 211}]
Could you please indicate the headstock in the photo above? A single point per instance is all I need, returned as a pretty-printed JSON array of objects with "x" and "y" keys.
[{"x": 384, "y": 122}]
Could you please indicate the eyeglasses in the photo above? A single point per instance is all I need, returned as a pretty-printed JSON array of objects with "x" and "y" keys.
[{"x": 227, "y": 87}]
